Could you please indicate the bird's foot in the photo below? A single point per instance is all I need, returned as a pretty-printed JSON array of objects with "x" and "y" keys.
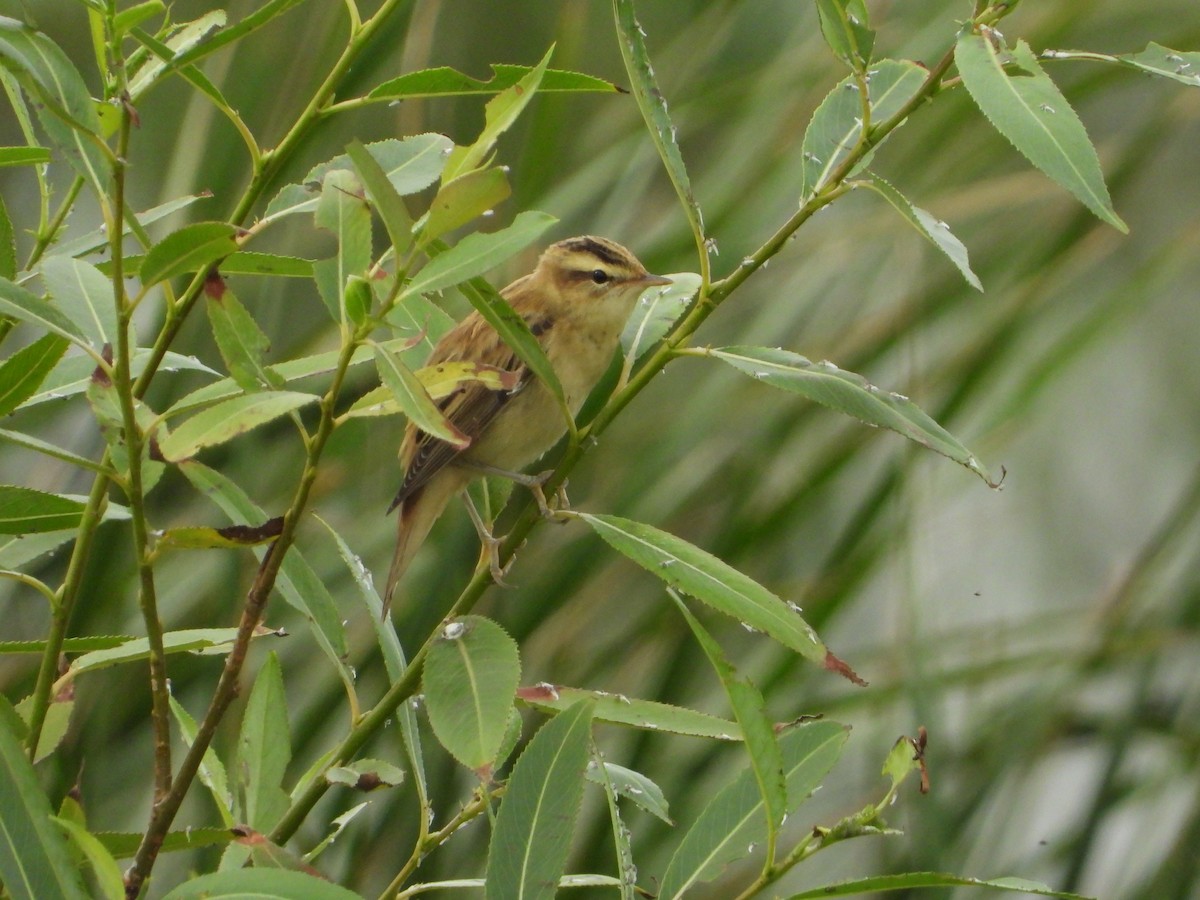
[{"x": 562, "y": 503}]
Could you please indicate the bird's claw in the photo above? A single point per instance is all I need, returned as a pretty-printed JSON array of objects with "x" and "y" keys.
[{"x": 561, "y": 501}]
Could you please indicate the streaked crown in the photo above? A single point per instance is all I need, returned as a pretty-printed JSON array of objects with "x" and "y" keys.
[{"x": 595, "y": 261}]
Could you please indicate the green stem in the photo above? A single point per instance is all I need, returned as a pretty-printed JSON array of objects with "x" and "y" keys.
[{"x": 47, "y": 235}]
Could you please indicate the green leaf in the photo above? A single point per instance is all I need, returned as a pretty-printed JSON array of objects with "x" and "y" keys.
[
  {"x": 732, "y": 824},
  {"x": 264, "y": 749},
  {"x": 844, "y": 25},
  {"x": 836, "y": 126},
  {"x": 384, "y": 197},
  {"x": 477, "y": 253},
  {"x": 66, "y": 110},
  {"x": 124, "y": 845},
  {"x": 634, "y": 786},
  {"x": 499, "y": 113},
  {"x": 529, "y": 847},
  {"x": 1025, "y": 106},
  {"x": 414, "y": 400},
  {"x": 187, "y": 640},
  {"x": 470, "y": 677},
  {"x": 244, "y": 884},
  {"x": 26, "y": 511},
  {"x": 750, "y": 711},
  {"x": 343, "y": 211},
  {"x": 23, "y": 156},
  {"x": 932, "y": 229},
  {"x": 8, "y": 247},
  {"x": 464, "y": 198},
  {"x": 656, "y": 311},
  {"x": 181, "y": 40},
  {"x": 44, "y": 447},
  {"x": 189, "y": 249},
  {"x": 55, "y": 725},
  {"x": 619, "y": 709},
  {"x": 239, "y": 339},
  {"x": 203, "y": 537},
  {"x": 910, "y": 880},
  {"x": 445, "y": 80},
  {"x": 35, "y": 862},
  {"x": 212, "y": 770},
  {"x": 81, "y": 291},
  {"x": 852, "y": 394},
  {"x": 229, "y": 418},
  {"x": 693, "y": 571},
  {"x": 98, "y": 239},
  {"x": 23, "y": 372},
  {"x": 104, "y": 867},
  {"x": 20, "y": 304},
  {"x": 1156, "y": 59},
  {"x": 135, "y": 15},
  {"x": 411, "y": 165},
  {"x": 653, "y": 105}
]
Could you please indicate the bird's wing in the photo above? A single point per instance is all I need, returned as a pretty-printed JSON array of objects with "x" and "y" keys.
[{"x": 470, "y": 409}]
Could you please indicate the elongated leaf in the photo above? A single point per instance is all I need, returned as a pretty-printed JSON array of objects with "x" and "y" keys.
[
  {"x": 8, "y": 247},
  {"x": 212, "y": 770},
  {"x": 465, "y": 198},
  {"x": 733, "y": 824},
  {"x": 653, "y": 105},
  {"x": 412, "y": 397},
  {"x": 394, "y": 661},
  {"x": 633, "y": 785},
  {"x": 85, "y": 295},
  {"x": 264, "y": 749},
  {"x": 529, "y": 847},
  {"x": 66, "y": 110},
  {"x": 98, "y": 239},
  {"x": 241, "y": 342},
  {"x": 470, "y": 677},
  {"x": 277, "y": 884},
  {"x": 20, "y": 304},
  {"x": 1025, "y": 106},
  {"x": 73, "y": 374},
  {"x": 123, "y": 845},
  {"x": 181, "y": 40},
  {"x": 187, "y": 640},
  {"x": 343, "y": 211},
  {"x": 23, "y": 372},
  {"x": 133, "y": 16},
  {"x": 910, "y": 880},
  {"x": 26, "y": 511},
  {"x": 104, "y": 867},
  {"x": 35, "y": 863},
  {"x": 648, "y": 714},
  {"x": 187, "y": 250},
  {"x": 478, "y": 253},
  {"x": 23, "y": 156},
  {"x": 852, "y": 394},
  {"x": 656, "y": 311},
  {"x": 844, "y": 25},
  {"x": 1154, "y": 60},
  {"x": 700, "y": 574},
  {"x": 55, "y": 725},
  {"x": 384, "y": 197},
  {"x": 36, "y": 444},
  {"x": 750, "y": 711},
  {"x": 229, "y": 418},
  {"x": 932, "y": 229},
  {"x": 836, "y": 126},
  {"x": 499, "y": 113},
  {"x": 445, "y": 80}
]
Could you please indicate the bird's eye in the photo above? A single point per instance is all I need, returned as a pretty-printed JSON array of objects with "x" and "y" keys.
[{"x": 599, "y": 276}]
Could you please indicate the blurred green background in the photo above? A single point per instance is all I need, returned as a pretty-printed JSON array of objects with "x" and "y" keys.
[{"x": 1045, "y": 634}]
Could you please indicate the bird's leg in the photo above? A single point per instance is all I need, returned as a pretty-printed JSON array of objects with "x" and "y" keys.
[
  {"x": 490, "y": 544},
  {"x": 533, "y": 483}
]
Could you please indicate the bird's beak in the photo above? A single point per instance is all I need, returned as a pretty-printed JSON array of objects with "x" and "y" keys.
[{"x": 649, "y": 280}]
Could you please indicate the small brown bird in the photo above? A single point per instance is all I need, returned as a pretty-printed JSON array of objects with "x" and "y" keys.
[{"x": 575, "y": 302}]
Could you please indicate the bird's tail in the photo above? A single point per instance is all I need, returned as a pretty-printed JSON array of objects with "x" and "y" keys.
[{"x": 418, "y": 512}]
